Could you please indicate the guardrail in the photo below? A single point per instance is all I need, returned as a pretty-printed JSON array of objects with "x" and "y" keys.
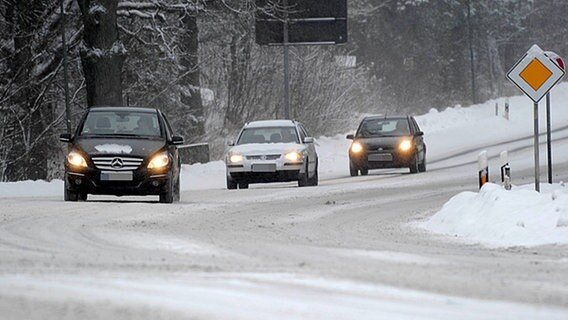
[{"x": 194, "y": 153}]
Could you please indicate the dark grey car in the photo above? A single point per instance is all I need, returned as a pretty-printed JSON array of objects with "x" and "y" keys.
[
  {"x": 122, "y": 151},
  {"x": 387, "y": 142}
]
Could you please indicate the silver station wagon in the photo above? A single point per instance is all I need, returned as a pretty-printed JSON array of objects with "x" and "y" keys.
[{"x": 272, "y": 151}]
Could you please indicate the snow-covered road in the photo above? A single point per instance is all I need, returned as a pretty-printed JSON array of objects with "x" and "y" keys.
[
  {"x": 347, "y": 249},
  {"x": 342, "y": 250}
]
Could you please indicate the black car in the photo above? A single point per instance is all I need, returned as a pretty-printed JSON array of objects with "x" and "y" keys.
[
  {"x": 387, "y": 142},
  {"x": 122, "y": 151}
]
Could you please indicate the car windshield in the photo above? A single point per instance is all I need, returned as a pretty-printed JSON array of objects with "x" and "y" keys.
[
  {"x": 129, "y": 123},
  {"x": 268, "y": 135},
  {"x": 384, "y": 127}
]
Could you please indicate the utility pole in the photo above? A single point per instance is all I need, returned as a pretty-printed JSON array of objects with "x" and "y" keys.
[
  {"x": 286, "y": 65},
  {"x": 471, "y": 53},
  {"x": 65, "y": 71}
]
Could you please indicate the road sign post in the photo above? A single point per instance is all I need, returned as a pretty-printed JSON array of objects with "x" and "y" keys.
[
  {"x": 536, "y": 150},
  {"x": 299, "y": 22},
  {"x": 559, "y": 62},
  {"x": 548, "y": 139},
  {"x": 535, "y": 74}
]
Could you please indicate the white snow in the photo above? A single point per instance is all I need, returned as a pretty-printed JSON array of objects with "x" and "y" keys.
[
  {"x": 268, "y": 296},
  {"x": 497, "y": 217},
  {"x": 114, "y": 148},
  {"x": 31, "y": 189},
  {"x": 266, "y": 148}
]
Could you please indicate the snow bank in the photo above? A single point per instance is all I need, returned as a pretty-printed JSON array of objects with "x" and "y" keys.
[
  {"x": 30, "y": 189},
  {"x": 203, "y": 176},
  {"x": 496, "y": 217}
]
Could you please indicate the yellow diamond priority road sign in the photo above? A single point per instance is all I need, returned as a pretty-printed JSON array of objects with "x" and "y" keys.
[{"x": 535, "y": 74}]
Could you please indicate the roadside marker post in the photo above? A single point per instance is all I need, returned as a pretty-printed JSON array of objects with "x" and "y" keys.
[
  {"x": 506, "y": 113},
  {"x": 483, "y": 173},
  {"x": 535, "y": 74},
  {"x": 505, "y": 170}
]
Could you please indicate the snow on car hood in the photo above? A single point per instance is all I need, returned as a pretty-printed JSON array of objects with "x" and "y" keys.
[
  {"x": 266, "y": 148},
  {"x": 117, "y": 146}
]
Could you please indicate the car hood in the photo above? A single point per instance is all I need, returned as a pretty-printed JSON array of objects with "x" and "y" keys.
[
  {"x": 381, "y": 142},
  {"x": 119, "y": 146},
  {"x": 266, "y": 148}
]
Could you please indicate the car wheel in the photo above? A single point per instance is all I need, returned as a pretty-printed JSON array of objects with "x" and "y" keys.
[
  {"x": 414, "y": 164},
  {"x": 83, "y": 196},
  {"x": 303, "y": 179},
  {"x": 69, "y": 195},
  {"x": 422, "y": 165},
  {"x": 352, "y": 170},
  {"x": 314, "y": 180},
  {"x": 168, "y": 195},
  {"x": 364, "y": 171},
  {"x": 243, "y": 185},
  {"x": 231, "y": 184},
  {"x": 177, "y": 191}
]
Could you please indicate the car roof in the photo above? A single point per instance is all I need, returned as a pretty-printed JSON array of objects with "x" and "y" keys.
[
  {"x": 129, "y": 109},
  {"x": 385, "y": 117},
  {"x": 270, "y": 123}
]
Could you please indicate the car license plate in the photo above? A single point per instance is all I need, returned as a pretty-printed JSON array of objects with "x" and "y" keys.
[
  {"x": 380, "y": 157},
  {"x": 116, "y": 176},
  {"x": 264, "y": 167}
]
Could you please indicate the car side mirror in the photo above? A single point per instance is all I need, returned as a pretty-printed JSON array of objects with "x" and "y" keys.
[
  {"x": 177, "y": 140},
  {"x": 230, "y": 143},
  {"x": 350, "y": 137},
  {"x": 419, "y": 134},
  {"x": 65, "y": 137},
  {"x": 308, "y": 140}
]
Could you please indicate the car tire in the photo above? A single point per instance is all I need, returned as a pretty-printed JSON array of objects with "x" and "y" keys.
[
  {"x": 422, "y": 165},
  {"x": 352, "y": 170},
  {"x": 70, "y": 196},
  {"x": 303, "y": 179},
  {"x": 83, "y": 196},
  {"x": 243, "y": 185},
  {"x": 177, "y": 191},
  {"x": 414, "y": 164},
  {"x": 168, "y": 195},
  {"x": 364, "y": 171},
  {"x": 231, "y": 184},
  {"x": 314, "y": 180}
]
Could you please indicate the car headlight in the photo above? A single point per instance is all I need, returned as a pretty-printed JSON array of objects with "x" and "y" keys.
[
  {"x": 77, "y": 160},
  {"x": 293, "y": 156},
  {"x": 159, "y": 161},
  {"x": 405, "y": 145},
  {"x": 236, "y": 158},
  {"x": 356, "y": 147}
]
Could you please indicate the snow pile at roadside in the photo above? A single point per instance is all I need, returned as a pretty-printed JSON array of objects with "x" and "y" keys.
[
  {"x": 457, "y": 128},
  {"x": 31, "y": 188},
  {"x": 199, "y": 176},
  {"x": 496, "y": 217}
]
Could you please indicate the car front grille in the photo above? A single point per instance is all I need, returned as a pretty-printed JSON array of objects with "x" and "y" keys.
[
  {"x": 380, "y": 148},
  {"x": 264, "y": 157},
  {"x": 117, "y": 163}
]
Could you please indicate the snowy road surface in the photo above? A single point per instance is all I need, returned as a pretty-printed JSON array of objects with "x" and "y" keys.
[
  {"x": 347, "y": 249},
  {"x": 342, "y": 250}
]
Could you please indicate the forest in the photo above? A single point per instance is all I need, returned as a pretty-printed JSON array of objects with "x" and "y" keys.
[{"x": 198, "y": 61}]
